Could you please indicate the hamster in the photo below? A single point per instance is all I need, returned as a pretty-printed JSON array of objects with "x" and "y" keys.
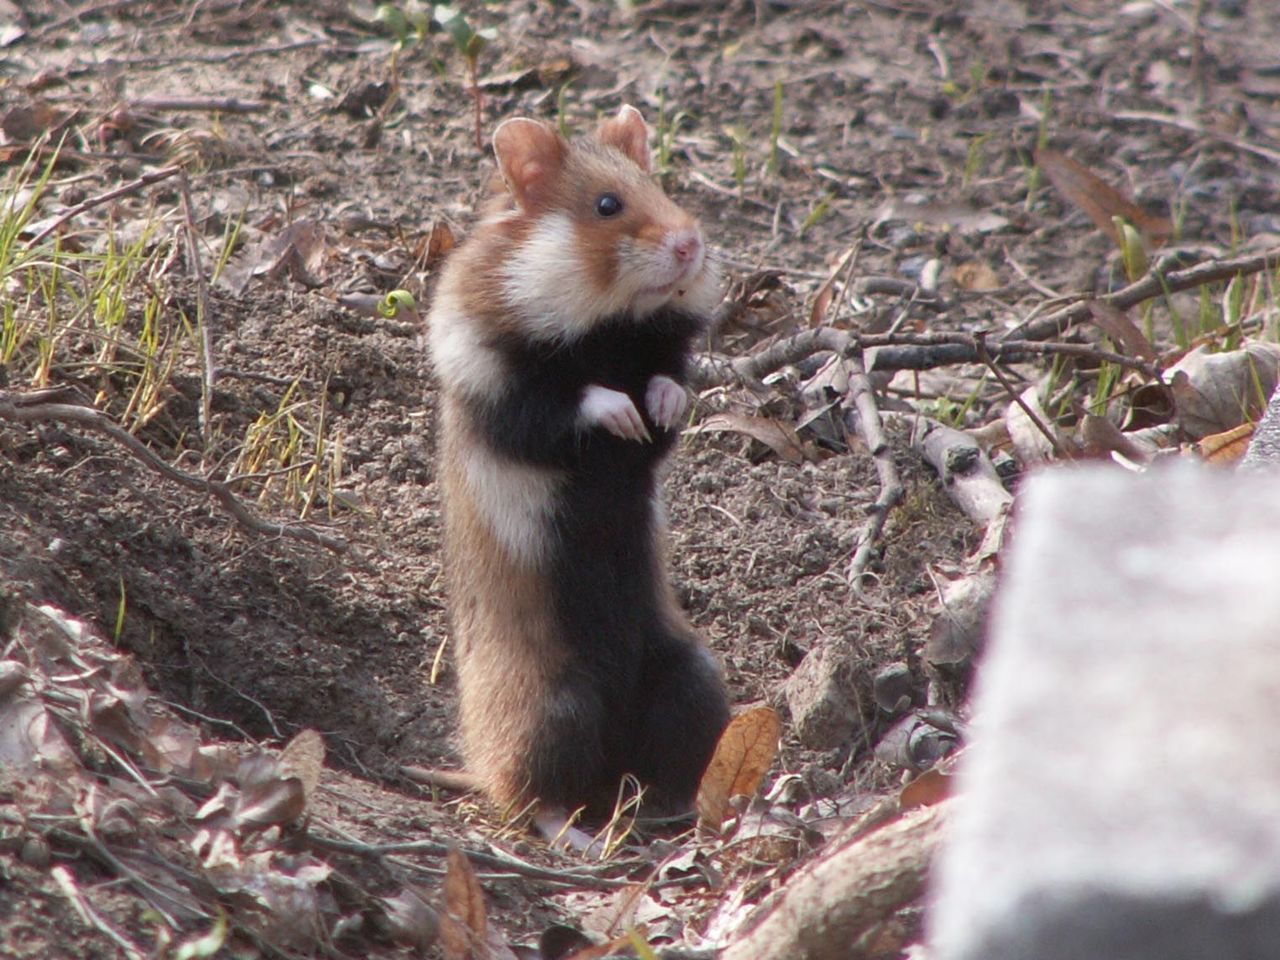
[{"x": 560, "y": 333}]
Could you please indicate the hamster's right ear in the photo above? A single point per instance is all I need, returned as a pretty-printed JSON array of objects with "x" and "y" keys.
[{"x": 530, "y": 155}]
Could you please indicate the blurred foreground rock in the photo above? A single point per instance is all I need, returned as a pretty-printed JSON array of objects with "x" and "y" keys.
[{"x": 1121, "y": 799}]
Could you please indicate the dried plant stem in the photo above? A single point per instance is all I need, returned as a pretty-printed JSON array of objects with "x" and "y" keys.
[
  {"x": 194, "y": 264},
  {"x": 499, "y": 861},
  {"x": 67, "y": 887},
  {"x": 13, "y": 408},
  {"x": 1016, "y": 397}
]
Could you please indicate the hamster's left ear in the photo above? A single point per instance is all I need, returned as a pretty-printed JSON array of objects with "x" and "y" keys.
[{"x": 629, "y": 133}]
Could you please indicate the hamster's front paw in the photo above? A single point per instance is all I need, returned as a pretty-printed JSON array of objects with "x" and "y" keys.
[
  {"x": 666, "y": 401},
  {"x": 613, "y": 410}
]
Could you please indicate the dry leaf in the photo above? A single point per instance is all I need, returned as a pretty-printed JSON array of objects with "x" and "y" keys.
[
  {"x": 1213, "y": 392},
  {"x": 931, "y": 787},
  {"x": 435, "y": 244},
  {"x": 303, "y": 759},
  {"x": 1228, "y": 447},
  {"x": 1124, "y": 333},
  {"x": 560, "y": 942},
  {"x": 269, "y": 803},
  {"x": 463, "y": 921},
  {"x": 26, "y": 123},
  {"x": 616, "y": 947},
  {"x": 1029, "y": 441},
  {"x": 975, "y": 275},
  {"x": 297, "y": 251},
  {"x": 30, "y": 739},
  {"x": 742, "y": 758},
  {"x": 409, "y": 920},
  {"x": 957, "y": 215},
  {"x": 779, "y": 437},
  {"x": 12, "y": 676},
  {"x": 1101, "y": 438},
  {"x": 1098, "y": 199},
  {"x": 826, "y": 293}
]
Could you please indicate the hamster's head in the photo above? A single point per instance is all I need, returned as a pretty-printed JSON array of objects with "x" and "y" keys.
[{"x": 593, "y": 236}]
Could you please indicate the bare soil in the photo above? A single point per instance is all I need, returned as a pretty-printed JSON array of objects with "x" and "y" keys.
[{"x": 932, "y": 106}]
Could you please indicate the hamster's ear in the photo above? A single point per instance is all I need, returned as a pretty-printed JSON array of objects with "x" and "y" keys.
[
  {"x": 530, "y": 155},
  {"x": 629, "y": 133}
]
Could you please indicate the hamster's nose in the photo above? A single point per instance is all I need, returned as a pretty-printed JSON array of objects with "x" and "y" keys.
[{"x": 686, "y": 246}]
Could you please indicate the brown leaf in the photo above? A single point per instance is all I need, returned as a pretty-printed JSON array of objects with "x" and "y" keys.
[
  {"x": 1101, "y": 438},
  {"x": 931, "y": 787},
  {"x": 25, "y": 123},
  {"x": 170, "y": 745},
  {"x": 1098, "y": 199},
  {"x": 1124, "y": 333},
  {"x": 742, "y": 758},
  {"x": 463, "y": 921},
  {"x": 826, "y": 293},
  {"x": 616, "y": 947},
  {"x": 1227, "y": 447},
  {"x": 271, "y": 802},
  {"x": 303, "y": 759},
  {"x": 12, "y": 676},
  {"x": 779, "y": 437},
  {"x": 435, "y": 244},
  {"x": 975, "y": 275}
]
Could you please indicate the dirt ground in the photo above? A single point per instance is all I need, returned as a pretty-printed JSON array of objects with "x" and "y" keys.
[{"x": 796, "y": 131}]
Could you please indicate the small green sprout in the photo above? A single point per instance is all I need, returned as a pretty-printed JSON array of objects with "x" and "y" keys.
[
  {"x": 396, "y": 302},
  {"x": 407, "y": 23}
]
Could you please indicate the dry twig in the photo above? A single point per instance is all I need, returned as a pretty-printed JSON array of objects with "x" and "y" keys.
[
  {"x": 1017, "y": 398},
  {"x": 124, "y": 190},
  {"x": 211, "y": 104},
  {"x": 1154, "y": 284},
  {"x": 871, "y": 430},
  {"x": 13, "y": 408}
]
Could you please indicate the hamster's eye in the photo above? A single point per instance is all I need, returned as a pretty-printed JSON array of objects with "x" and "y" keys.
[{"x": 608, "y": 205}]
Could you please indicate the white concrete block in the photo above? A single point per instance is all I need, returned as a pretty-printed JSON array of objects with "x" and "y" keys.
[{"x": 1121, "y": 796}]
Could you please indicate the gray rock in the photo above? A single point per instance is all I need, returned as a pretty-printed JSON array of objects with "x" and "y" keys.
[
  {"x": 824, "y": 695},
  {"x": 1264, "y": 448},
  {"x": 1121, "y": 797}
]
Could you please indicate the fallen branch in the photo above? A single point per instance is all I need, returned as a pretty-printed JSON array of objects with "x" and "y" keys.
[
  {"x": 1154, "y": 284},
  {"x": 898, "y": 351},
  {"x": 1190, "y": 126},
  {"x": 871, "y": 430},
  {"x": 966, "y": 472},
  {"x": 15, "y": 408},
  {"x": 833, "y": 905},
  {"x": 925, "y": 351}
]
